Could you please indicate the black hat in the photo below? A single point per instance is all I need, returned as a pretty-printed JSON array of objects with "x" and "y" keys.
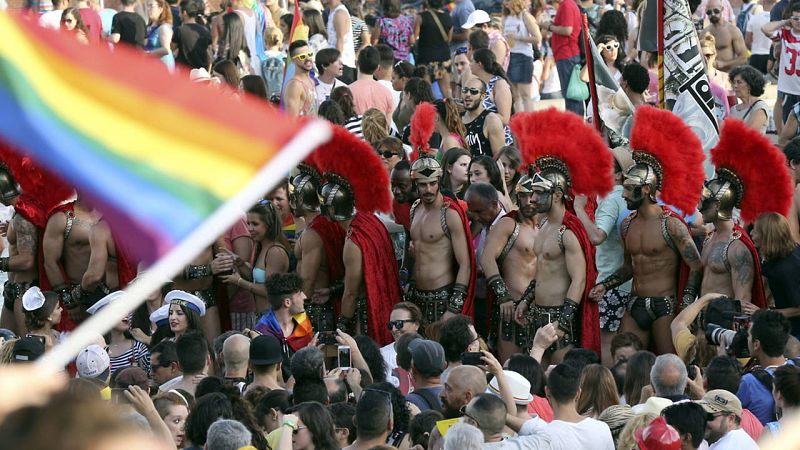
[
  {"x": 265, "y": 350},
  {"x": 27, "y": 349},
  {"x": 721, "y": 311}
]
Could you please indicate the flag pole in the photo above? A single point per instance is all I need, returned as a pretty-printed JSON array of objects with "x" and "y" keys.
[
  {"x": 590, "y": 66},
  {"x": 662, "y": 100},
  {"x": 313, "y": 134}
]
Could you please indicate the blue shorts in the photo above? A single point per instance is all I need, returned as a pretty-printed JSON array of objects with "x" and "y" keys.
[{"x": 520, "y": 68}]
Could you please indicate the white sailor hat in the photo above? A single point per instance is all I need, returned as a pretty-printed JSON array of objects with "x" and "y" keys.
[
  {"x": 160, "y": 317},
  {"x": 192, "y": 302},
  {"x": 100, "y": 304},
  {"x": 33, "y": 299}
]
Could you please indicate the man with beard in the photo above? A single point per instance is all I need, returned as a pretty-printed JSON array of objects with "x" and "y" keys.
[
  {"x": 731, "y": 49},
  {"x": 300, "y": 95},
  {"x": 571, "y": 159},
  {"x": 404, "y": 194},
  {"x": 485, "y": 131},
  {"x": 462, "y": 385},
  {"x": 731, "y": 265},
  {"x": 318, "y": 249},
  {"x": 509, "y": 264},
  {"x": 660, "y": 255}
]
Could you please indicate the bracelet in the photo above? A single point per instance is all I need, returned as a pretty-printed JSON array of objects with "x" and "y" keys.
[{"x": 195, "y": 272}]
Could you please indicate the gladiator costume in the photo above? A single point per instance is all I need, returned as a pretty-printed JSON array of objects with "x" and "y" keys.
[
  {"x": 570, "y": 157},
  {"x": 357, "y": 185}
]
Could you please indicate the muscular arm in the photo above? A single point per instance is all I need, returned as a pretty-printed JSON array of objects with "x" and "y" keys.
[
  {"x": 99, "y": 237},
  {"x": 576, "y": 266},
  {"x": 495, "y": 241},
  {"x": 311, "y": 260},
  {"x": 53, "y": 248},
  {"x": 25, "y": 259},
  {"x": 493, "y": 129},
  {"x": 342, "y": 27},
  {"x": 688, "y": 252},
  {"x": 460, "y": 246},
  {"x": 596, "y": 235},
  {"x": 739, "y": 52},
  {"x": 353, "y": 276},
  {"x": 742, "y": 271},
  {"x": 772, "y": 27}
]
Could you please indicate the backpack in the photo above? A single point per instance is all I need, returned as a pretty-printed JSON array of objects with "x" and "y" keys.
[
  {"x": 272, "y": 69},
  {"x": 743, "y": 17},
  {"x": 428, "y": 396}
]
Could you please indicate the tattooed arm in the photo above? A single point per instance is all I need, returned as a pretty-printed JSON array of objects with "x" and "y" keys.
[
  {"x": 742, "y": 271},
  {"x": 27, "y": 237},
  {"x": 688, "y": 252}
]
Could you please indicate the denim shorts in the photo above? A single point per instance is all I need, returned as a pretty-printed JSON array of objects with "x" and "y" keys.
[{"x": 520, "y": 68}]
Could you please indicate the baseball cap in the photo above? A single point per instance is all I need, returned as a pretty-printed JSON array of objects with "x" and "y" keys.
[
  {"x": 476, "y": 17},
  {"x": 92, "y": 361},
  {"x": 265, "y": 350},
  {"x": 131, "y": 376},
  {"x": 720, "y": 400},
  {"x": 520, "y": 387},
  {"x": 658, "y": 436},
  {"x": 427, "y": 356},
  {"x": 26, "y": 349}
]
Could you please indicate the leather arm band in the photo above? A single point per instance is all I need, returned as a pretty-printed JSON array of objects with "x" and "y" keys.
[
  {"x": 65, "y": 296},
  {"x": 612, "y": 281},
  {"x": 195, "y": 272},
  {"x": 457, "y": 298},
  {"x": 337, "y": 289},
  {"x": 498, "y": 286},
  {"x": 692, "y": 289},
  {"x": 529, "y": 294}
]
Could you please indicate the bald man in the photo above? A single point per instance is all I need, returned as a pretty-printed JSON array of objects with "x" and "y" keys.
[
  {"x": 731, "y": 49},
  {"x": 236, "y": 354},
  {"x": 462, "y": 384}
]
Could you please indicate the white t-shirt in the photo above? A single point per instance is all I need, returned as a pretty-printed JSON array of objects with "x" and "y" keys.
[
  {"x": 735, "y": 440},
  {"x": 389, "y": 354},
  {"x": 348, "y": 51},
  {"x": 51, "y": 19},
  {"x": 516, "y": 26},
  {"x": 789, "y": 75},
  {"x": 761, "y": 42},
  {"x": 586, "y": 434},
  {"x": 395, "y": 94},
  {"x": 324, "y": 90}
]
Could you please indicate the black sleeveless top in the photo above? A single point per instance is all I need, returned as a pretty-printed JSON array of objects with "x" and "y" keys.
[{"x": 476, "y": 139}]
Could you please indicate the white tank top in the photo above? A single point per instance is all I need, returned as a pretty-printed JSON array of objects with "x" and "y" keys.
[
  {"x": 515, "y": 25},
  {"x": 249, "y": 24},
  {"x": 348, "y": 51}
]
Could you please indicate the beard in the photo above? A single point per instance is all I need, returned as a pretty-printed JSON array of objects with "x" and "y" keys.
[
  {"x": 529, "y": 211},
  {"x": 636, "y": 201},
  {"x": 429, "y": 198},
  {"x": 472, "y": 106},
  {"x": 714, "y": 19}
]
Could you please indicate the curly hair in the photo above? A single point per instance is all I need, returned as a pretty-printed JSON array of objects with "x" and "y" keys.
[
  {"x": 282, "y": 285},
  {"x": 751, "y": 76},
  {"x": 455, "y": 336},
  {"x": 613, "y": 22}
]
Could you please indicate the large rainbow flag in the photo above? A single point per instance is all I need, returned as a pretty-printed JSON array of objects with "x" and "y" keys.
[{"x": 153, "y": 151}]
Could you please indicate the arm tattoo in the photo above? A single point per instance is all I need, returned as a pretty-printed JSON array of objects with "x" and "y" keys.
[
  {"x": 743, "y": 267},
  {"x": 26, "y": 235}
]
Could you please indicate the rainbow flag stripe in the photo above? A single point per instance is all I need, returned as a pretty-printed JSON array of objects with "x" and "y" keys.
[{"x": 153, "y": 151}]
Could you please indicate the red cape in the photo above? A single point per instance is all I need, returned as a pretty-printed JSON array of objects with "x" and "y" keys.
[
  {"x": 402, "y": 214},
  {"x": 380, "y": 272},
  {"x": 332, "y": 236},
  {"x": 757, "y": 296},
  {"x": 469, "y": 302},
  {"x": 589, "y": 309}
]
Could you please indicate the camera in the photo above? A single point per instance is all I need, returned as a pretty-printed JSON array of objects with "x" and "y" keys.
[
  {"x": 715, "y": 333},
  {"x": 736, "y": 340},
  {"x": 472, "y": 358}
]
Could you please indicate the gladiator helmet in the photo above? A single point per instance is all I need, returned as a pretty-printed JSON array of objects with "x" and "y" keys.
[
  {"x": 336, "y": 198},
  {"x": 304, "y": 184},
  {"x": 9, "y": 188},
  {"x": 727, "y": 189},
  {"x": 553, "y": 174},
  {"x": 646, "y": 171},
  {"x": 426, "y": 169}
]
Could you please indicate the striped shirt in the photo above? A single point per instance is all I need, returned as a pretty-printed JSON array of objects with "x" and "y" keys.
[
  {"x": 353, "y": 125},
  {"x": 137, "y": 355}
]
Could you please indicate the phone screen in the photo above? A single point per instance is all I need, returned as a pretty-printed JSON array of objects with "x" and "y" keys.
[{"x": 344, "y": 357}]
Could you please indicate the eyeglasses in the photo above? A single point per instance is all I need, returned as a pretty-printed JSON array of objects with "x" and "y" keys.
[
  {"x": 471, "y": 91},
  {"x": 303, "y": 56},
  {"x": 464, "y": 413},
  {"x": 713, "y": 11},
  {"x": 297, "y": 430},
  {"x": 397, "y": 323},
  {"x": 461, "y": 50},
  {"x": 387, "y": 154}
]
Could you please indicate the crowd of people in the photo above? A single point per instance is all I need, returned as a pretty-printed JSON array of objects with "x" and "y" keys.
[{"x": 457, "y": 268}]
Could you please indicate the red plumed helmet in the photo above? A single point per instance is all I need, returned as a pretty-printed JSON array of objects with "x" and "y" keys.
[
  {"x": 566, "y": 137},
  {"x": 355, "y": 160},
  {"x": 422, "y": 125},
  {"x": 758, "y": 170},
  {"x": 661, "y": 140},
  {"x": 658, "y": 436}
]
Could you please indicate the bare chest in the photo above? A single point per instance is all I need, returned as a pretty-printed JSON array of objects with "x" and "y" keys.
[
  {"x": 547, "y": 243},
  {"x": 427, "y": 227},
  {"x": 647, "y": 238}
]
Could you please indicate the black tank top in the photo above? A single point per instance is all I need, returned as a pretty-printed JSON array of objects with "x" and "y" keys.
[{"x": 476, "y": 139}]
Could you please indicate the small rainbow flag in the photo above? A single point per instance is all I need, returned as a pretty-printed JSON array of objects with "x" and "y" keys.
[{"x": 155, "y": 152}]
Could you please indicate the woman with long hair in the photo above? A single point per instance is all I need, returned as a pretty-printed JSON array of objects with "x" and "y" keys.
[
  {"x": 309, "y": 427},
  {"x": 395, "y": 30},
  {"x": 598, "y": 391},
  {"x": 343, "y": 96},
  {"x": 611, "y": 51},
  {"x": 498, "y": 89},
  {"x": 522, "y": 33},
  {"x": 433, "y": 31},
  {"x": 142, "y": 328},
  {"x": 173, "y": 408},
  {"x": 45, "y": 313},
  {"x": 511, "y": 161},
  {"x": 159, "y": 32},
  {"x": 374, "y": 126},
  {"x": 182, "y": 318},
  {"x": 455, "y": 170},
  {"x": 449, "y": 125},
  {"x": 71, "y": 21},
  {"x": 123, "y": 350},
  {"x": 781, "y": 262},
  {"x": 637, "y": 375},
  {"x": 227, "y": 73},
  {"x": 317, "y": 32},
  {"x": 272, "y": 250},
  {"x": 233, "y": 45},
  {"x": 484, "y": 169},
  {"x": 255, "y": 86}
]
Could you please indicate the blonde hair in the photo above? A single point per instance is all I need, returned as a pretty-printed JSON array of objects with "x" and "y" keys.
[
  {"x": 515, "y": 7},
  {"x": 775, "y": 236},
  {"x": 374, "y": 126},
  {"x": 627, "y": 441},
  {"x": 707, "y": 40},
  {"x": 273, "y": 37},
  {"x": 6, "y": 350}
]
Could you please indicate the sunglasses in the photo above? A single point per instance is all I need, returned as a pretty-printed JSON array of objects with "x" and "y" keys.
[
  {"x": 795, "y": 18},
  {"x": 297, "y": 430},
  {"x": 387, "y": 154},
  {"x": 471, "y": 91},
  {"x": 397, "y": 324},
  {"x": 713, "y": 11},
  {"x": 613, "y": 46},
  {"x": 464, "y": 413},
  {"x": 68, "y": 21},
  {"x": 303, "y": 56},
  {"x": 461, "y": 50}
]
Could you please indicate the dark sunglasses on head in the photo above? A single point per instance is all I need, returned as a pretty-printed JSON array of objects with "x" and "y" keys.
[
  {"x": 472, "y": 91},
  {"x": 713, "y": 11},
  {"x": 397, "y": 324},
  {"x": 461, "y": 50}
]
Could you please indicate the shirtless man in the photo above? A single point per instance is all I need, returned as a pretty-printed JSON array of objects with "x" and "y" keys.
[
  {"x": 102, "y": 268},
  {"x": 731, "y": 49},
  {"x": 20, "y": 264},
  {"x": 197, "y": 279},
  {"x": 300, "y": 95},
  {"x": 318, "y": 249},
  {"x": 442, "y": 263},
  {"x": 655, "y": 240},
  {"x": 67, "y": 252},
  {"x": 509, "y": 265}
]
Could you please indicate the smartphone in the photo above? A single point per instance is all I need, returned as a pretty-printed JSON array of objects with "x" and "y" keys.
[
  {"x": 344, "y": 356},
  {"x": 472, "y": 358}
]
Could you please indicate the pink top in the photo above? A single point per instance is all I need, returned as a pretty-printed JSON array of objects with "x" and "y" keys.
[
  {"x": 94, "y": 25},
  {"x": 368, "y": 93},
  {"x": 241, "y": 300}
]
